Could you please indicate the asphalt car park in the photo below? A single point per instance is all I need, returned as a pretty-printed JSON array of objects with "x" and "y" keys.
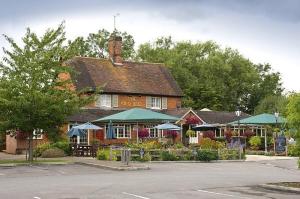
[{"x": 164, "y": 180}]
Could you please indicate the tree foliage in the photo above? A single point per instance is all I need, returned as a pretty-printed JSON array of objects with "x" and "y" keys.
[
  {"x": 96, "y": 45},
  {"x": 32, "y": 96},
  {"x": 271, "y": 104},
  {"x": 220, "y": 79}
]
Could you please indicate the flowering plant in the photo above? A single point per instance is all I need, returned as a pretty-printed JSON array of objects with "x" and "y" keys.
[
  {"x": 209, "y": 134},
  {"x": 171, "y": 134},
  {"x": 143, "y": 133},
  {"x": 192, "y": 120}
]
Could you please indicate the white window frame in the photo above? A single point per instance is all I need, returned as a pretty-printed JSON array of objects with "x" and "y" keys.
[
  {"x": 156, "y": 102},
  {"x": 104, "y": 100},
  {"x": 37, "y": 136},
  {"x": 156, "y": 131},
  {"x": 117, "y": 127}
]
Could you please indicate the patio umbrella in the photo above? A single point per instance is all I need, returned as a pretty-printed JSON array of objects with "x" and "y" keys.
[
  {"x": 138, "y": 115},
  {"x": 76, "y": 132},
  {"x": 167, "y": 126},
  {"x": 110, "y": 133},
  {"x": 205, "y": 127},
  {"x": 87, "y": 126},
  {"x": 264, "y": 118}
]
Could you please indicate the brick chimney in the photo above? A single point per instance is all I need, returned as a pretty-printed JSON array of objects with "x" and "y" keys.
[{"x": 115, "y": 49}]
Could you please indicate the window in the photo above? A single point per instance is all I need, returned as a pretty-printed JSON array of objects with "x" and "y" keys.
[
  {"x": 155, "y": 103},
  {"x": 153, "y": 132},
  {"x": 38, "y": 135},
  {"x": 121, "y": 131},
  {"x": 104, "y": 101}
]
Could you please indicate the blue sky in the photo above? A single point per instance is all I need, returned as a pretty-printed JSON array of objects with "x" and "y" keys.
[{"x": 265, "y": 31}]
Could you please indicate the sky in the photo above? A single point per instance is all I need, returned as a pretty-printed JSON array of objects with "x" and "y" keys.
[{"x": 265, "y": 31}]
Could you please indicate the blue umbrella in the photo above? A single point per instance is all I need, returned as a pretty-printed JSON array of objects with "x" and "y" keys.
[
  {"x": 167, "y": 126},
  {"x": 110, "y": 133},
  {"x": 87, "y": 125},
  {"x": 76, "y": 132}
]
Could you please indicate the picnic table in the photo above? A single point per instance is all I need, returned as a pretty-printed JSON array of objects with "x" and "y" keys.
[{"x": 84, "y": 150}]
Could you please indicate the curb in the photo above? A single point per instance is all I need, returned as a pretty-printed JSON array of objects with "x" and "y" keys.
[
  {"x": 34, "y": 164},
  {"x": 280, "y": 188},
  {"x": 125, "y": 168}
]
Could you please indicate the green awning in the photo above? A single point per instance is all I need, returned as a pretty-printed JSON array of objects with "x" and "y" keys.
[
  {"x": 264, "y": 118},
  {"x": 138, "y": 115}
]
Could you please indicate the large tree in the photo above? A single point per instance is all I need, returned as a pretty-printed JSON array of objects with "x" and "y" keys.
[
  {"x": 96, "y": 45},
  {"x": 32, "y": 96},
  {"x": 220, "y": 79}
]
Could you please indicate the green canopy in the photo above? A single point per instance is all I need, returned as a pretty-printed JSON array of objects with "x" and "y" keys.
[
  {"x": 137, "y": 115},
  {"x": 264, "y": 118}
]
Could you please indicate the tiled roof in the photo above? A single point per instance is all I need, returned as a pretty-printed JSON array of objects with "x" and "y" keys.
[
  {"x": 220, "y": 117},
  {"x": 131, "y": 77},
  {"x": 211, "y": 117}
]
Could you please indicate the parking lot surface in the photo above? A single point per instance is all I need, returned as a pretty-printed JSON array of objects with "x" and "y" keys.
[{"x": 164, "y": 180}]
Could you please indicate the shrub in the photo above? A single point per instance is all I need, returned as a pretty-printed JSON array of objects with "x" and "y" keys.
[
  {"x": 229, "y": 154},
  {"x": 178, "y": 146},
  {"x": 220, "y": 139},
  {"x": 168, "y": 156},
  {"x": 53, "y": 153},
  {"x": 191, "y": 133},
  {"x": 143, "y": 133},
  {"x": 207, "y": 143},
  {"x": 209, "y": 134},
  {"x": 104, "y": 154},
  {"x": 63, "y": 145},
  {"x": 293, "y": 150},
  {"x": 40, "y": 149},
  {"x": 299, "y": 163},
  {"x": 206, "y": 155},
  {"x": 147, "y": 157},
  {"x": 171, "y": 134},
  {"x": 255, "y": 142},
  {"x": 228, "y": 135}
]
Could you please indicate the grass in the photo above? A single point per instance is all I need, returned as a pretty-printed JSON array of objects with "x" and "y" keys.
[{"x": 34, "y": 161}]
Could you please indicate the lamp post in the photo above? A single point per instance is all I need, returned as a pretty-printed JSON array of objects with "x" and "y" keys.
[{"x": 238, "y": 114}]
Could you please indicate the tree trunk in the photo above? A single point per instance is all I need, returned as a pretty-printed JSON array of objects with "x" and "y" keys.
[{"x": 30, "y": 152}]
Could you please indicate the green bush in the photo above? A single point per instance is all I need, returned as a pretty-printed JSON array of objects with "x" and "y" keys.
[
  {"x": 53, "y": 153},
  {"x": 40, "y": 149},
  {"x": 299, "y": 163},
  {"x": 178, "y": 146},
  {"x": 146, "y": 158},
  {"x": 168, "y": 156},
  {"x": 229, "y": 154},
  {"x": 293, "y": 150},
  {"x": 63, "y": 145},
  {"x": 255, "y": 142},
  {"x": 104, "y": 154},
  {"x": 206, "y": 155}
]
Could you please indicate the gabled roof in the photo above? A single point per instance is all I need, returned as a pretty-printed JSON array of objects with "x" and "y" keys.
[{"x": 130, "y": 78}]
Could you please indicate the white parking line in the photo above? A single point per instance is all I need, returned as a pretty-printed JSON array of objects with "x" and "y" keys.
[
  {"x": 2, "y": 174},
  {"x": 36, "y": 197},
  {"x": 222, "y": 194},
  {"x": 137, "y": 196}
]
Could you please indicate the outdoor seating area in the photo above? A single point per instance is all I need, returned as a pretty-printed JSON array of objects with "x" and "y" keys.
[{"x": 84, "y": 150}]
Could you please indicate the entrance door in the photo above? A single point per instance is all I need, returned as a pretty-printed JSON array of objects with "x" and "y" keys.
[{"x": 194, "y": 139}]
